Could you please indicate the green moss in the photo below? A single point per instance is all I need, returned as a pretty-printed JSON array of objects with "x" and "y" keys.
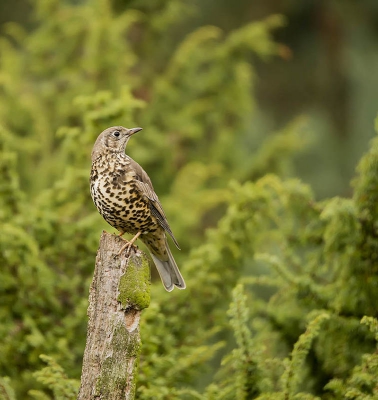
[
  {"x": 134, "y": 285},
  {"x": 115, "y": 376}
]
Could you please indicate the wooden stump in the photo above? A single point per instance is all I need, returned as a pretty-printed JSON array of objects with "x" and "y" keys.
[{"x": 120, "y": 290}]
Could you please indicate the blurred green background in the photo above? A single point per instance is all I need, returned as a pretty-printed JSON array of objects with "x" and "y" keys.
[
  {"x": 326, "y": 71},
  {"x": 255, "y": 115}
]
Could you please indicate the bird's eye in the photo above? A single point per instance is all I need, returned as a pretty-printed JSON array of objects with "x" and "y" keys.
[{"x": 116, "y": 133}]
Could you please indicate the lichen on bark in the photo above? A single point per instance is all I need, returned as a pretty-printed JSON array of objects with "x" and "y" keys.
[{"x": 116, "y": 374}]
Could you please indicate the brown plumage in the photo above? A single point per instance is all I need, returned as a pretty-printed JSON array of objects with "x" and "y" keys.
[{"x": 124, "y": 196}]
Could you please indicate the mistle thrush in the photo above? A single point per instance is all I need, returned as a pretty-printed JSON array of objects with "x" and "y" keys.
[{"x": 124, "y": 196}]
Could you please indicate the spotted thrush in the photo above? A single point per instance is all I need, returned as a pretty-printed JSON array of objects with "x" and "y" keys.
[{"x": 124, "y": 196}]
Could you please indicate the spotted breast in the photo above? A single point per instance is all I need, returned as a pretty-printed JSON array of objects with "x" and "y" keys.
[
  {"x": 115, "y": 193},
  {"x": 124, "y": 196}
]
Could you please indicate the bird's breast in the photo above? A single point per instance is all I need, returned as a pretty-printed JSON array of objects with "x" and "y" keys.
[{"x": 116, "y": 195}]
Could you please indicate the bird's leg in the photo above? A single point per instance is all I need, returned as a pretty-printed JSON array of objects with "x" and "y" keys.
[{"x": 129, "y": 244}]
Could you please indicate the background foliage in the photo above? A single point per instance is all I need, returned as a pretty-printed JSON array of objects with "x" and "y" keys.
[{"x": 281, "y": 298}]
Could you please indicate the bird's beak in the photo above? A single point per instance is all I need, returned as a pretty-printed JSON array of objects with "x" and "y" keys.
[{"x": 134, "y": 130}]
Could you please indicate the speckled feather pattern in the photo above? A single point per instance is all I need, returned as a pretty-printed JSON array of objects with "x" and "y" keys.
[
  {"x": 124, "y": 196},
  {"x": 117, "y": 197}
]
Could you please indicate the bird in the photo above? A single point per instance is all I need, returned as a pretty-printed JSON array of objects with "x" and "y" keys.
[{"x": 124, "y": 196}]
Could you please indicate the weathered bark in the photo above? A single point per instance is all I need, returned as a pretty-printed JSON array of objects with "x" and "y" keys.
[{"x": 120, "y": 290}]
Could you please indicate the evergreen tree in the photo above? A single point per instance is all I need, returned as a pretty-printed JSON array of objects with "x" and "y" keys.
[{"x": 277, "y": 286}]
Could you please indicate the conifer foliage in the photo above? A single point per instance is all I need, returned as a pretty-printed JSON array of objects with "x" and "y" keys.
[{"x": 281, "y": 290}]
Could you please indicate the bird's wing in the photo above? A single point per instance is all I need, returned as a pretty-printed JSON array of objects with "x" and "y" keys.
[{"x": 144, "y": 184}]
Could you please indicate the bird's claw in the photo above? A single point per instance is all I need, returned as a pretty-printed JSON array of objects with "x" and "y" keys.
[{"x": 128, "y": 246}]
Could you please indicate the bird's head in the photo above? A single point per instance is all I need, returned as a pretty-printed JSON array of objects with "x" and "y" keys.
[{"x": 113, "y": 139}]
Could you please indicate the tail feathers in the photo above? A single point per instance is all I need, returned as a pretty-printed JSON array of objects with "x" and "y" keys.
[{"x": 169, "y": 272}]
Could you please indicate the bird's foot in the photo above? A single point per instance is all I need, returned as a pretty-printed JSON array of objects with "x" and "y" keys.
[{"x": 129, "y": 245}]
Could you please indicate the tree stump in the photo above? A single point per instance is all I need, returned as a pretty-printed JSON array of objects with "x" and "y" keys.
[{"x": 120, "y": 290}]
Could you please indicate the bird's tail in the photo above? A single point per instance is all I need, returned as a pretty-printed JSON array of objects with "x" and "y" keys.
[{"x": 168, "y": 271}]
